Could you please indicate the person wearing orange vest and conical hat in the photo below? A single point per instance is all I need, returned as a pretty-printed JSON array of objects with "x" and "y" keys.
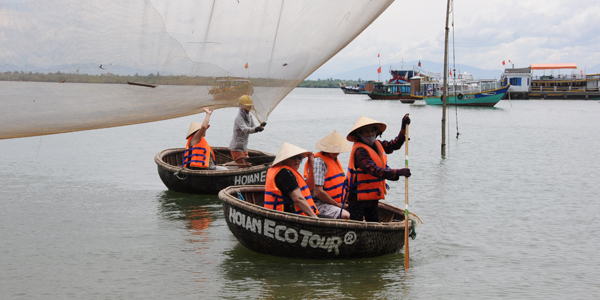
[
  {"x": 198, "y": 154},
  {"x": 330, "y": 188},
  {"x": 285, "y": 189},
  {"x": 368, "y": 169}
]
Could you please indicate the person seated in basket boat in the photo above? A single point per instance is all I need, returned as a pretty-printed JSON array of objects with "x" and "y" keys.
[
  {"x": 285, "y": 189},
  {"x": 368, "y": 169},
  {"x": 330, "y": 189},
  {"x": 198, "y": 154},
  {"x": 242, "y": 127}
]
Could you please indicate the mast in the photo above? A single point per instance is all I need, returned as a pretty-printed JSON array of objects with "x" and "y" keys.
[{"x": 445, "y": 91}]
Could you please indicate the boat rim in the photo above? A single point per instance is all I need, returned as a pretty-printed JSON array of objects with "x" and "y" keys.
[
  {"x": 226, "y": 195},
  {"x": 158, "y": 159}
]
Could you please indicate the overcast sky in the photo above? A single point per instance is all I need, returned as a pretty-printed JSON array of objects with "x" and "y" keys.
[{"x": 485, "y": 34}]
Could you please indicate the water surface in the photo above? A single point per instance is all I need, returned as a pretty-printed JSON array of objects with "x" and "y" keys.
[{"x": 511, "y": 212}]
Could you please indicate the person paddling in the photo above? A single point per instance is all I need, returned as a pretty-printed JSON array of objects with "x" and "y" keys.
[
  {"x": 368, "y": 169},
  {"x": 242, "y": 127}
]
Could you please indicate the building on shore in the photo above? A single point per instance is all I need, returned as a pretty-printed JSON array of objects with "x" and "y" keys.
[{"x": 524, "y": 84}]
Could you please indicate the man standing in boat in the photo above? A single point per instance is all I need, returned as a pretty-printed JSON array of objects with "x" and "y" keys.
[
  {"x": 368, "y": 169},
  {"x": 198, "y": 154},
  {"x": 330, "y": 187},
  {"x": 243, "y": 126},
  {"x": 285, "y": 189}
]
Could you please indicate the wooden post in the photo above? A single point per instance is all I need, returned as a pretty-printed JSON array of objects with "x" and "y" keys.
[
  {"x": 445, "y": 93},
  {"x": 406, "y": 257}
]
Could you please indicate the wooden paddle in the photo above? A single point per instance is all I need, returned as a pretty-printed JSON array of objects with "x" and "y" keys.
[
  {"x": 406, "y": 264},
  {"x": 249, "y": 160},
  {"x": 257, "y": 157}
]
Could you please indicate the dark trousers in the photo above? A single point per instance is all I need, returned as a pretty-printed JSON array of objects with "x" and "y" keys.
[{"x": 361, "y": 209}]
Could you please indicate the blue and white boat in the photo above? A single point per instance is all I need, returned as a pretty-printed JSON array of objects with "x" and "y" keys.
[
  {"x": 463, "y": 90},
  {"x": 486, "y": 98}
]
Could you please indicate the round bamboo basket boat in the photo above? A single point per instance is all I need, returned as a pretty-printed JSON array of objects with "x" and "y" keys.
[
  {"x": 210, "y": 182},
  {"x": 284, "y": 234}
]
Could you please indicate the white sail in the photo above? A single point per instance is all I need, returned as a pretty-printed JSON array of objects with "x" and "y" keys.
[{"x": 64, "y": 65}]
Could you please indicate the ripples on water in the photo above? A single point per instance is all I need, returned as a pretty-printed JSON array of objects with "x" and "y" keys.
[{"x": 511, "y": 212}]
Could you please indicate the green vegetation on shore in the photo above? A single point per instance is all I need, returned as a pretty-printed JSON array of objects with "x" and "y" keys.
[
  {"x": 327, "y": 83},
  {"x": 156, "y": 79}
]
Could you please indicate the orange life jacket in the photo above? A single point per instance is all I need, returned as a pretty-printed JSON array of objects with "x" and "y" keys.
[
  {"x": 361, "y": 183},
  {"x": 196, "y": 156},
  {"x": 334, "y": 179},
  {"x": 274, "y": 198}
]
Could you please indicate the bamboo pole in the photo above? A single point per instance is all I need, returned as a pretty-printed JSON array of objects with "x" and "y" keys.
[
  {"x": 406, "y": 257},
  {"x": 445, "y": 92}
]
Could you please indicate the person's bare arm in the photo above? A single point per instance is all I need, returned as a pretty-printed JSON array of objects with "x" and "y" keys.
[
  {"x": 301, "y": 202},
  {"x": 324, "y": 196},
  {"x": 200, "y": 133},
  {"x": 310, "y": 181}
]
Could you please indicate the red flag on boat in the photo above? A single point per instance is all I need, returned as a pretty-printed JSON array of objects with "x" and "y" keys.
[
  {"x": 377, "y": 54},
  {"x": 419, "y": 64},
  {"x": 503, "y": 63},
  {"x": 379, "y": 70},
  {"x": 450, "y": 72},
  {"x": 246, "y": 65}
]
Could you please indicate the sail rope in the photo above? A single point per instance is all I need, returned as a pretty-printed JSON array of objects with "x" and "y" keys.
[
  {"x": 40, "y": 144},
  {"x": 454, "y": 67},
  {"x": 180, "y": 177}
]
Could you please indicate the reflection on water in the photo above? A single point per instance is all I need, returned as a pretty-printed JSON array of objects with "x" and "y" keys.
[
  {"x": 195, "y": 214},
  {"x": 193, "y": 209},
  {"x": 277, "y": 277}
]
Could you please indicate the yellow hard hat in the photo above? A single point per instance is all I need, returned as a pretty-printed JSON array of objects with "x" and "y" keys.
[{"x": 245, "y": 100}]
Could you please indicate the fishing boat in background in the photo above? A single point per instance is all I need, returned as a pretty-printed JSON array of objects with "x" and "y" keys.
[
  {"x": 228, "y": 88},
  {"x": 406, "y": 85},
  {"x": 351, "y": 89},
  {"x": 285, "y": 234},
  {"x": 391, "y": 91},
  {"x": 485, "y": 98},
  {"x": 184, "y": 180},
  {"x": 464, "y": 90},
  {"x": 363, "y": 88}
]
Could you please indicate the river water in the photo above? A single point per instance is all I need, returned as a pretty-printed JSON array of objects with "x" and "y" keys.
[{"x": 511, "y": 212}]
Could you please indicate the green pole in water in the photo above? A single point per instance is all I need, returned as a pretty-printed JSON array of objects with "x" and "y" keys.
[{"x": 406, "y": 264}]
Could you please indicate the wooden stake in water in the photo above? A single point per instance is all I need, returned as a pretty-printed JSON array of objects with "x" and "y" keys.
[{"x": 406, "y": 264}]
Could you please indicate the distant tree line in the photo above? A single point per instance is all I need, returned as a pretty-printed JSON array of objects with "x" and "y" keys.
[
  {"x": 157, "y": 79},
  {"x": 327, "y": 83},
  {"x": 105, "y": 78}
]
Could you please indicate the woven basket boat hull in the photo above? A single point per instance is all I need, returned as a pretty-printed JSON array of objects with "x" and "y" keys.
[
  {"x": 277, "y": 233},
  {"x": 210, "y": 182}
]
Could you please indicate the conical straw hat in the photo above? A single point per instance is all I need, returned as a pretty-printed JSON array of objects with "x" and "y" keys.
[
  {"x": 288, "y": 150},
  {"x": 195, "y": 126},
  {"x": 333, "y": 143},
  {"x": 362, "y": 122}
]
